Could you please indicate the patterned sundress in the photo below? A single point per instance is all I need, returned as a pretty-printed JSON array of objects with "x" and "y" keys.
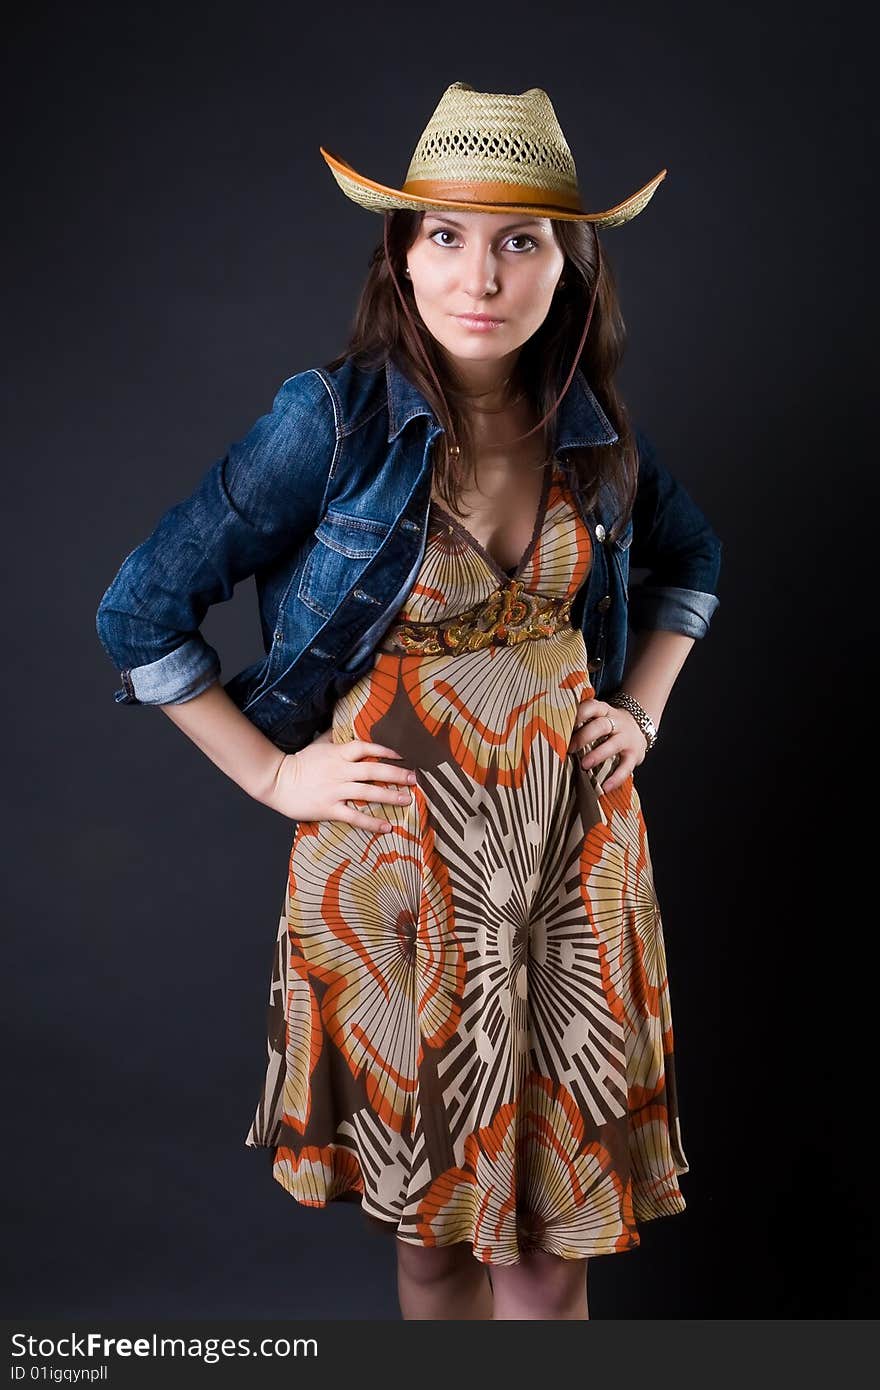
[{"x": 469, "y": 1027}]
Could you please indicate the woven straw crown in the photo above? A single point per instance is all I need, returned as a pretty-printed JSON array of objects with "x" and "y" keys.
[{"x": 490, "y": 152}]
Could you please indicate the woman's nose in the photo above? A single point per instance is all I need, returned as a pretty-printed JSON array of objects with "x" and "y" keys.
[{"x": 480, "y": 276}]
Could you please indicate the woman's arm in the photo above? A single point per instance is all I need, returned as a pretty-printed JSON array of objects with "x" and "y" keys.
[
  {"x": 668, "y": 611},
  {"x": 673, "y": 606},
  {"x": 654, "y": 659},
  {"x": 217, "y": 726},
  {"x": 653, "y": 662},
  {"x": 324, "y": 782},
  {"x": 262, "y": 498},
  {"x": 673, "y": 540}
]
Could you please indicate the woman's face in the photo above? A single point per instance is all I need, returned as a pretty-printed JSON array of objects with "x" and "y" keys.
[{"x": 501, "y": 264}]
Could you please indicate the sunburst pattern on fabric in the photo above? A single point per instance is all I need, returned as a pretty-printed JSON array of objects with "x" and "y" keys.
[
  {"x": 469, "y": 1025},
  {"x": 377, "y": 930},
  {"x": 304, "y": 1040},
  {"x": 531, "y": 1180}
]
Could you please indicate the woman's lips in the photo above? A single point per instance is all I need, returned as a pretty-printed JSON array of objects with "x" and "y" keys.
[{"x": 481, "y": 325}]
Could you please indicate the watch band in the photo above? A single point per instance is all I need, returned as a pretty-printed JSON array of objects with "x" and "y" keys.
[{"x": 620, "y": 700}]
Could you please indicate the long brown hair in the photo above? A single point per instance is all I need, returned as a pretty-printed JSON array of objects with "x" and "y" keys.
[{"x": 381, "y": 328}]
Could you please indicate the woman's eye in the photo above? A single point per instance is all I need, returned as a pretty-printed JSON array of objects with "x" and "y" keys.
[{"x": 444, "y": 231}]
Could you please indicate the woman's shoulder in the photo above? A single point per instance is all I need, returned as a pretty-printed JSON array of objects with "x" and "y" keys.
[
  {"x": 338, "y": 392},
  {"x": 357, "y": 389}
]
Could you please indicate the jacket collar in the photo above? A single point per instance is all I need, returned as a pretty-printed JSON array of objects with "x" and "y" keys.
[{"x": 580, "y": 420}]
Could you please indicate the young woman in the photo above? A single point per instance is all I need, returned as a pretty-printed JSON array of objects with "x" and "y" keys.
[{"x": 469, "y": 1020}]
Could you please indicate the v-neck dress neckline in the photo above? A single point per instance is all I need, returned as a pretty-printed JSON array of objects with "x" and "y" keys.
[{"x": 506, "y": 576}]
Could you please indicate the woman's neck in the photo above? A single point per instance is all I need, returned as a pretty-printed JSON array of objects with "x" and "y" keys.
[{"x": 494, "y": 435}]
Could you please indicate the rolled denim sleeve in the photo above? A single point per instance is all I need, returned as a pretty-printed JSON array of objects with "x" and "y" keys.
[
  {"x": 264, "y": 496},
  {"x": 673, "y": 540}
]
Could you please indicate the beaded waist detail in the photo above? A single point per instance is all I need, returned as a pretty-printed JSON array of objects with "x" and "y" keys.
[{"x": 509, "y": 615}]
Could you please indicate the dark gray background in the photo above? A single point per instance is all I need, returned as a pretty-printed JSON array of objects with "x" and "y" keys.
[{"x": 176, "y": 248}]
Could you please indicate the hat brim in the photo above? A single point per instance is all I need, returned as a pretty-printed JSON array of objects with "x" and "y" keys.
[{"x": 378, "y": 197}]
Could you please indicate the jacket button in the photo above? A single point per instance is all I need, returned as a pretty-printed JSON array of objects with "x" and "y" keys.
[
  {"x": 604, "y": 603},
  {"x": 600, "y": 532},
  {"x": 279, "y": 636},
  {"x": 595, "y": 664}
]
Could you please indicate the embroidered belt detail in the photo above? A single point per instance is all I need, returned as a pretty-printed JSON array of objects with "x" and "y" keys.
[{"x": 507, "y": 616}]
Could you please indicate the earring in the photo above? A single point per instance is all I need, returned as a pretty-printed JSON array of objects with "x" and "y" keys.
[{"x": 407, "y": 273}]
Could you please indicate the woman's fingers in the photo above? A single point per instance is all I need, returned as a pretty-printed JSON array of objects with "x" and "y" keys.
[
  {"x": 383, "y": 772},
  {"x": 618, "y": 775},
  {"x": 370, "y": 770},
  {"x": 591, "y": 756},
  {"x": 359, "y": 748},
  {"x": 356, "y": 794},
  {"x": 594, "y": 739},
  {"x": 358, "y": 791},
  {"x": 592, "y": 723}
]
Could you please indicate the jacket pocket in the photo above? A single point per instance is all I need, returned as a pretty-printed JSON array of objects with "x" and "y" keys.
[{"x": 343, "y": 547}]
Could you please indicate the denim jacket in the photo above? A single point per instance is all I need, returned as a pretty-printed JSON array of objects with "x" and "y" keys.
[{"x": 326, "y": 502}]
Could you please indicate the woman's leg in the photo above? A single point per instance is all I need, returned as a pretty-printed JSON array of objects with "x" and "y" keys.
[
  {"x": 541, "y": 1286},
  {"x": 442, "y": 1282}
]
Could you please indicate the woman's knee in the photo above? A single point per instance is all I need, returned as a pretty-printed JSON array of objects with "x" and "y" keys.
[
  {"x": 426, "y": 1264},
  {"x": 543, "y": 1281}
]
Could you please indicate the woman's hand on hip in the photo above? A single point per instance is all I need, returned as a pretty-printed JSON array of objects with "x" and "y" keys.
[
  {"x": 594, "y": 740},
  {"x": 322, "y": 780}
]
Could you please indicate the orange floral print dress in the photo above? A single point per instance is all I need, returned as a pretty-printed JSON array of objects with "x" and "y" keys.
[{"x": 469, "y": 1020}]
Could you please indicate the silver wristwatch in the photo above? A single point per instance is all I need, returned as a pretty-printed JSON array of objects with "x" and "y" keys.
[{"x": 620, "y": 700}]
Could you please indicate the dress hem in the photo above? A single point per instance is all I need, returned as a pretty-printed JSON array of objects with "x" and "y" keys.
[{"x": 355, "y": 1198}]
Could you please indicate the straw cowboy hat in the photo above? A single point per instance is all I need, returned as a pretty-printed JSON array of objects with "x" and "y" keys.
[{"x": 490, "y": 152}]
